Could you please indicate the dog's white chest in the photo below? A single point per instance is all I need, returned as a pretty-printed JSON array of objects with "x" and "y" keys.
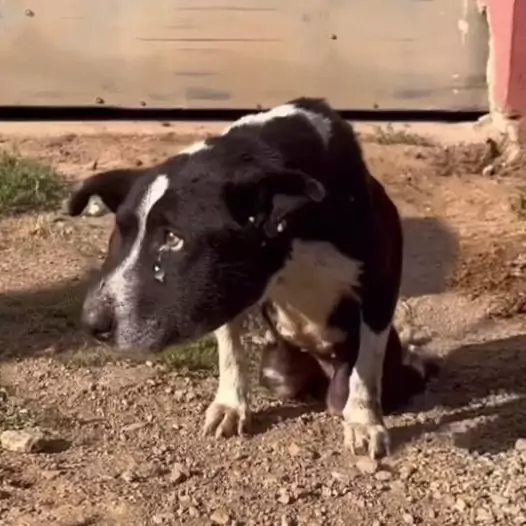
[{"x": 306, "y": 291}]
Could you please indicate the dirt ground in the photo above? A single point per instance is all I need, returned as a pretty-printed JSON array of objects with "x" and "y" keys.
[{"x": 130, "y": 450}]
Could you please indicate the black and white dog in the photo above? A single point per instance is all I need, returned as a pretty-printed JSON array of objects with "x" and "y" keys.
[{"x": 280, "y": 211}]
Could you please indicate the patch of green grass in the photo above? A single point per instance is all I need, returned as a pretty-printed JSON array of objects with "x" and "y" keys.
[
  {"x": 200, "y": 355},
  {"x": 389, "y": 135},
  {"x": 27, "y": 185}
]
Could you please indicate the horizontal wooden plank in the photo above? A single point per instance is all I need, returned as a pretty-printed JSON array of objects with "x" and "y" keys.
[{"x": 409, "y": 54}]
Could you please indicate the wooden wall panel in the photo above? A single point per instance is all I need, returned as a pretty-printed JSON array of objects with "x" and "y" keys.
[{"x": 360, "y": 54}]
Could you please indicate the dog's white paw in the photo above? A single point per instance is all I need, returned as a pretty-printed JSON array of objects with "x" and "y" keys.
[
  {"x": 364, "y": 431},
  {"x": 225, "y": 421}
]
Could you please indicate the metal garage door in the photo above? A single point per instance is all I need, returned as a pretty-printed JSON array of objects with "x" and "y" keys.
[{"x": 360, "y": 54}]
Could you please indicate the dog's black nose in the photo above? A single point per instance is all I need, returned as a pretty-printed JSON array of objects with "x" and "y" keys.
[{"x": 98, "y": 320}]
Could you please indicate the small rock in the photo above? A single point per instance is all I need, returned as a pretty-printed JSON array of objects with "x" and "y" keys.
[
  {"x": 383, "y": 475},
  {"x": 406, "y": 472},
  {"x": 50, "y": 474},
  {"x": 483, "y": 515},
  {"x": 326, "y": 492},
  {"x": 179, "y": 395},
  {"x": 95, "y": 208},
  {"x": 488, "y": 170},
  {"x": 460, "y": 505},
  {"x": 367, "y": 465},
  {"x": 220, "y": 517},
  {"x": 133, "y": 427},
  {"x": 287, "y": 521},
  {"x": 129, "y": 476},
  {"x": 408, "y": 518},
  {"x": 520, "y": 445},
  {"x": 179, "y": 473},
  {"x": 340, "y": 477},
  {"x": 499, "y": 500},
  {"x": 284, "y": 496},
  {"x": 26, "y": 441},
  {"x": 193, "y": 511},
  {"x": 294, "y": 449},
  {"x": 163, "y": 518}
]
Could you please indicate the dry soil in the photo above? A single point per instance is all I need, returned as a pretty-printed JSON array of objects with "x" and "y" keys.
[{"x": 130, "y": 451}]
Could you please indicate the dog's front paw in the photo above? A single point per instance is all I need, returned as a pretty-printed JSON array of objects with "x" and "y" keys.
[
  {"x": 225, "y": 420},
  {"x": 365, "y": 431}
]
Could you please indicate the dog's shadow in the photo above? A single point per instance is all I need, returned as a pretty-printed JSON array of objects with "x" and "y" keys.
[
  {"x": 37, "y": 321},
  {"x": 430, "y": 255},
  {"x": 479, "y": 398}
]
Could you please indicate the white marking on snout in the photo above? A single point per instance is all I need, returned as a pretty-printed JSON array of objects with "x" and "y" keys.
[
  {"x": 306, "y": 291},
  {"x": 120, "y": 284},
  {"x": 321, "y": 124}
]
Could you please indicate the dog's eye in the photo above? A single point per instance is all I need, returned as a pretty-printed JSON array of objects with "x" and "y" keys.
[{"x": 173, "y": 242}]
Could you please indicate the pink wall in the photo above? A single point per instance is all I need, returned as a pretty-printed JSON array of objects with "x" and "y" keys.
[{"x": 507, "y": 74}]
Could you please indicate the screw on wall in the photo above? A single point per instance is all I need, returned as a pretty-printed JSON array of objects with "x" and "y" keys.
[
  {"x": 99, "y": 100},
  {"x": 29, "y": 12},
  {"x": 142, "y": 103},
  {"x": 334, "y": 37}
]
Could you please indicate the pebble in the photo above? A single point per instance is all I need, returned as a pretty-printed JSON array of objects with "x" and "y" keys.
[
  {"x": 488, "y": 170},
  {"x": 25, "y": 441},
  {"x": 383, "y": 475},
  {"x": 520, "y": 445},
  {"x": 408, "y": 518},
  {"x": 406, "y": 472},
  {"x": 367, "y": 465},
  {"x": 129, "y": 476},
  {"x": 220, "y": 516},
  {"x": 50, "y": 474},
  {"x": 179, "y": 473},
  {"x": 483, "y": 515},
  {"x": 284, "y": 496},
  {"x": 294, "y": 449},
  {"x": 95, "y": 208}
]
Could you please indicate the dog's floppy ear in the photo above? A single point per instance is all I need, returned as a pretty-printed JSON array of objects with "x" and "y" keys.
[
  {"x": 112, "y": 187},
  {"x": 271, "y": 198}
]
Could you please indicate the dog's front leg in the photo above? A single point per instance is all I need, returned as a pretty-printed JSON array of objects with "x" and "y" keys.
[
  {"x": 362, "y": 413},
  {"x": 229, "y": 413}
]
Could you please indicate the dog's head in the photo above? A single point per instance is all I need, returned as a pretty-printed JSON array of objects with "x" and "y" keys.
[{"x": 195, "y": 242}]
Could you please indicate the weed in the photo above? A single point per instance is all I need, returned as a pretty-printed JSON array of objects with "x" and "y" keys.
[
  {"x": 27, "y": 185},
  {"x": 388, "y": 135},
  {"x": 200, "y": 355}
]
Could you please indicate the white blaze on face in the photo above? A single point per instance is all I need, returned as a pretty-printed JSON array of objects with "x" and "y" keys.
[{"x": 120, "y": 284}]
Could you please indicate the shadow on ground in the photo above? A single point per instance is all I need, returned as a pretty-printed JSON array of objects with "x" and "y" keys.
[
  {"x": 430, "y": 254},
  {"x": 47, "y": 320},
  {"x": 481, "y": 390},
  {"x": 37, "y": 320},
  {"x": 41, "y": 320}
]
